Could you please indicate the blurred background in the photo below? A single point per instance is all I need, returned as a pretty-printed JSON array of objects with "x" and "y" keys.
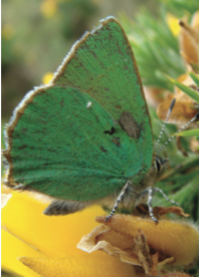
[{"x": 36, "y": 36}]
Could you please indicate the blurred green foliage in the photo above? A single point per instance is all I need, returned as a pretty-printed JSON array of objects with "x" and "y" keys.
[
  {"x": 156, "y": 49},
  {"x": 36, "y": 35},
  {"x": 155, "y": 46},
  {"x": 180, "y": 7}
]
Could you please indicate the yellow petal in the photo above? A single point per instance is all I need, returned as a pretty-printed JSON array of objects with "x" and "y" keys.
[
  {"x": 47, "y": 78},
  {"x": 11, "y": 249},
  {"x": 87, "y": 265},
  {"x": 48, "y": 8},
  {"x": 174, "y": 274},
  {"x": 52, "y": 235},
  {"x": 172, "y": 22},
  {"x": 5, "y": 189}
]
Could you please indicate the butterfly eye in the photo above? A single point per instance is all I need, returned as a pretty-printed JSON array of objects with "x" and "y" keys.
[
  {"x": 159, "y": 163},
  {"x": 111, "y": 132}
]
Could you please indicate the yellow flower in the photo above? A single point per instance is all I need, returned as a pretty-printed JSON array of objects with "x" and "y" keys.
[
  {"x": 4, "y": 199},
  {"x": 7, "y": 31},
  {"x": 173, "y": 24},
  {"x": 47, "y": 78},
  {"x": 48, "y": 8},
  {"x": 33, "y": 243},
  {"x": 140, "y": 241}
]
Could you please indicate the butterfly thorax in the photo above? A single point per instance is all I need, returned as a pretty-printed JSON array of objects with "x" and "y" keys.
[
  {"x": 136, "y": 193},
  {"x": 154, "y": 172}
]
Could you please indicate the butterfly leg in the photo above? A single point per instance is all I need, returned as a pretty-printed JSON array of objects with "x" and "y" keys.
[
  {"x": 149, "y": 203},
  {"x": 121, "y": 195},
  {"x": 156, "y": 189},
  {"x": 146, "y": 196},
  {"x": 63, "y": 207},
  {"x": 148, "y": 193}
]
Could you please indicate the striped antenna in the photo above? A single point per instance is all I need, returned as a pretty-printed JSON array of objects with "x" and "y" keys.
[
  {"x": 181, "y": 129},
  {"x": 165, "y": 122}
]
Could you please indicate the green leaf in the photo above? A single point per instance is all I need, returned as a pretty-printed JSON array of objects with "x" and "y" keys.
[
  {"x": 187, "y": 90},
  {"x": 193, "y": 132},
  {"x": 194, "y": 77}
]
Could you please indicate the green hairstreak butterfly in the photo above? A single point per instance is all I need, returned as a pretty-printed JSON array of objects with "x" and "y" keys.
[{"x": 86, "y": 138}]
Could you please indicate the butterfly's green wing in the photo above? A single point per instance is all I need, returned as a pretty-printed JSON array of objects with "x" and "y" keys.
[
  {"x": 102, "y": 65},
  {"x": 60, "y": 140},
  {"x": 58, "y": 146}
]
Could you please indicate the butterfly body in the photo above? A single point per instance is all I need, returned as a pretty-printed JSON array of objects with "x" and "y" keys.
[{"x": 80, "y": 139}]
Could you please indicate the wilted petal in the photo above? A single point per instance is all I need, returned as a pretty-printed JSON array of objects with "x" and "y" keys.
[
  {"x": 173, "y": 209},
  {"x": 195, "y": 20},
  {"x": 142, "y": 250},
  {"x": 189, "y": 42},
  {"x": 113, "y": 243},
  {"x": 185, "y": 108},
  {"x": 154, "y": 95},
  {"x": 141, "y": 242}
]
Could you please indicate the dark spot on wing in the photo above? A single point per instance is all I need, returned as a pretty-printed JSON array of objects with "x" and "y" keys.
[
  {"x": 118, "y": 107},
  {"x": 116, "y": 141},
  {"x": 129, "y": 125},
  {"x": 62, "y": 102},
  {"x": 23, "y": 147},
  {"x": 51, "y": 150},
  {"x": 103, "y": 150},
  {"x": 111, "y": 132},
  {"x": 44, "y": 122},
  {"x": 24, "y": 130}
]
